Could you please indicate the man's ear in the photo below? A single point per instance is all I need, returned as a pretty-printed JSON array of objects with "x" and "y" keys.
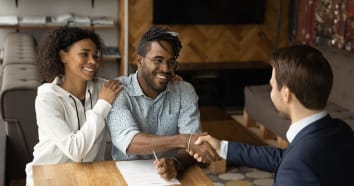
[
  {"x": 139, "y": 60},
  {"x": 63, "y": 56},
  {"x": 285, "y": 94}
]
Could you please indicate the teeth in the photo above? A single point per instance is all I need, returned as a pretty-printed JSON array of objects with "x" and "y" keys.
[
  {"x": 161, "y": 76},
  {"x": 89, "y": 69}
]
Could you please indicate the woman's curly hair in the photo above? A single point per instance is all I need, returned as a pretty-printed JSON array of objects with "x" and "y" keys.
[{"x": 48, "y": 58}]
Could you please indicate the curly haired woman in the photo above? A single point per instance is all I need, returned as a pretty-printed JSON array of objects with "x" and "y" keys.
[{"x": 72, "y": 104}]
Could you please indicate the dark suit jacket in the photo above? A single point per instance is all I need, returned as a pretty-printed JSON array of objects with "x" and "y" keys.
[{"x": 321, "y": 154}]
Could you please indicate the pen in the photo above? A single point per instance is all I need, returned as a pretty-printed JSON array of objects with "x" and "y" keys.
[{"x": 153, "y": 151}]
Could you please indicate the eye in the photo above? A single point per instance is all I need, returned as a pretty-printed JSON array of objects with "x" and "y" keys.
[
  {"x": 83, "y": 54},
  {"x": 172, "y": 62},
  {"x": 95, "y": 56},
  {"x": 157, "y": 60}
]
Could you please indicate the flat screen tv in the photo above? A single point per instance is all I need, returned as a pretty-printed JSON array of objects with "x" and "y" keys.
[{"x": 209, "y": 11}]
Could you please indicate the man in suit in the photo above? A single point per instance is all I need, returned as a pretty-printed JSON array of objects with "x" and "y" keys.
[{"x": 321, "y": 149}]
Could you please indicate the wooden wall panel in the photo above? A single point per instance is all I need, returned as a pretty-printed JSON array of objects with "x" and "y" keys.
[{"x": 214, "y": 43}]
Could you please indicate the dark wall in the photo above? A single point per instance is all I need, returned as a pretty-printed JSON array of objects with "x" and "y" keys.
[{"x": 224, "y": 87}]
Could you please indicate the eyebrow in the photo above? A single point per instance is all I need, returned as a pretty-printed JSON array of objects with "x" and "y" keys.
[
  {"x": 85, "y": 49},
  {"x": 88, "y": 50},
  {"x": 161, "y": 57}
]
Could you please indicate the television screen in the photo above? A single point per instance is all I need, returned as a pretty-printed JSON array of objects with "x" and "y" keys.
[{"x": 209, "y": 11}]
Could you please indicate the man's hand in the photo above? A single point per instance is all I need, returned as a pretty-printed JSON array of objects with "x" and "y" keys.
[
  {"x": 206, "y": 139},
  {"x": 204, "y": 151},
  {"x": 166, "y": 168}
]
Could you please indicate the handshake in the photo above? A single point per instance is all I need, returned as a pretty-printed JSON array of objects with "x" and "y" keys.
[{"x": 203, "y": 147}]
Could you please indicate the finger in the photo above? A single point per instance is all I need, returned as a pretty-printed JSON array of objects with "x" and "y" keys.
[
  {"x": 209, "y": 153},
  {"x": 200, "y": 159},
  {"x": 162, "y": 170},
  {"x": 198, "y": 141},
  {"x": 166, "y": 176},
  {"x": 114, "y": 84},
  {"x": 156, "y": 163},
  {"x": 169, "y": 175},
  {"x": 201, "y": 139},
  {"x": 119, "y": 89},
  {"x": 161, "y": 165},
  {"x": 190, "y": 152}
]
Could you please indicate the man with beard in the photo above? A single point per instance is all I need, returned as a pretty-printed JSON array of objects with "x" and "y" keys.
[
  {"x": 155, "y": 112},
  {"x": 321, "y": 149}
]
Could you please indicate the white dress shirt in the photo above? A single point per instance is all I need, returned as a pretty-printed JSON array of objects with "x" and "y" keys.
[{"x": 293, "y": 130}]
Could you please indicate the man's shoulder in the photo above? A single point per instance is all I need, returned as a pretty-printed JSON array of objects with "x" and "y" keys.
[
  {"x": 131, "y": 87},
  {"x": 125, "y": 80},
  {"x": 128, "y": 83}
]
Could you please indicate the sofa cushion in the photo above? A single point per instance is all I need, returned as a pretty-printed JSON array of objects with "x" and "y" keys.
[
  {"x": 18, "y": 92},
  {"x": 19, "y": 37},
  {"x": 19, "y": 49}
]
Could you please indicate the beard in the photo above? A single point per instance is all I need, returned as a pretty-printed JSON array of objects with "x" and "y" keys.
[{"x": 150, "y": 81}]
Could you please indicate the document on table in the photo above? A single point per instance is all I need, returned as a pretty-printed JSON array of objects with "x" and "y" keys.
[{"x": 142, "y": 172}]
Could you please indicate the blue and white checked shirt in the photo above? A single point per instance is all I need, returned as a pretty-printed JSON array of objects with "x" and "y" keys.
[{"x": 174, "y": 111}]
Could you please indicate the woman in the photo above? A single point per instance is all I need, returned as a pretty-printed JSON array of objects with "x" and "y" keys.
[{"x": 72, "y": 105}]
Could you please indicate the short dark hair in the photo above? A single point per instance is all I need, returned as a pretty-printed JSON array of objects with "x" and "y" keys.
[
  {"x": 306, "y": 72},
  {"x": 156, "y": 33},
  {"x": 48, "y": 58}
]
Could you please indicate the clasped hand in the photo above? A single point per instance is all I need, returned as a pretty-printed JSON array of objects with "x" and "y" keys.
[
  {"x": 166, "y": 168},
  {"x": 201, "y": 149}
]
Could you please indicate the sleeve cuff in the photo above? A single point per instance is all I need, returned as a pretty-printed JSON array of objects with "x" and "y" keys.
[
  {"x": 223, "y": 149},
  {"x": 102, "y": 107}
]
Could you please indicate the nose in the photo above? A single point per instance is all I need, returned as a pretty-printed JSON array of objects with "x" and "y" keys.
[
  {"x": 92, "y": 59},
  {"x": 164, "y": 66}
]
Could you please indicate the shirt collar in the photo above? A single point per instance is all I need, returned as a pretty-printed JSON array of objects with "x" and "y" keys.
[
  {"x": 296, "y": 127},
  {"x": 136, "y": 86}
]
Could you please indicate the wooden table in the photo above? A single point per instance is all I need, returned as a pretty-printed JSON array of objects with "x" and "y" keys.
[{"x": 100, "y": 173}]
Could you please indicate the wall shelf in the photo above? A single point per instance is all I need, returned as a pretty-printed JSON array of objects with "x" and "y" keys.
[
  {"x": 92, "y": 3},
  {"x": 52, "y": 27}
]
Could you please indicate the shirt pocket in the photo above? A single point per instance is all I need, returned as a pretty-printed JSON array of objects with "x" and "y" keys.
[{"x": 168, "y": 124}]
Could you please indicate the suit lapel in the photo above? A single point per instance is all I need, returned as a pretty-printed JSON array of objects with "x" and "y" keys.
[{"x": 317, "y": 125}]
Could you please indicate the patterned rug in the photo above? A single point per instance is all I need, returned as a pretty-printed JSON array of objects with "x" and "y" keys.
[{"x": 241, "y": 176}]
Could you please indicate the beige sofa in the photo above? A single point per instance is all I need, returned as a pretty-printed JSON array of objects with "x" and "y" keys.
[
  {"x": 259, "y": 108},
  {"x": 19, "y": 82}
]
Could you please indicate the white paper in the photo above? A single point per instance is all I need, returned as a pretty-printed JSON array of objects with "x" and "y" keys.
[{"x": 142, "y": 173}]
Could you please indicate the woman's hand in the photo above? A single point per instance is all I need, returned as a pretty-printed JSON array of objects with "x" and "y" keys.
[
  {"x": 175, "y": 78},
  {"x": 110, "y": 90}
]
